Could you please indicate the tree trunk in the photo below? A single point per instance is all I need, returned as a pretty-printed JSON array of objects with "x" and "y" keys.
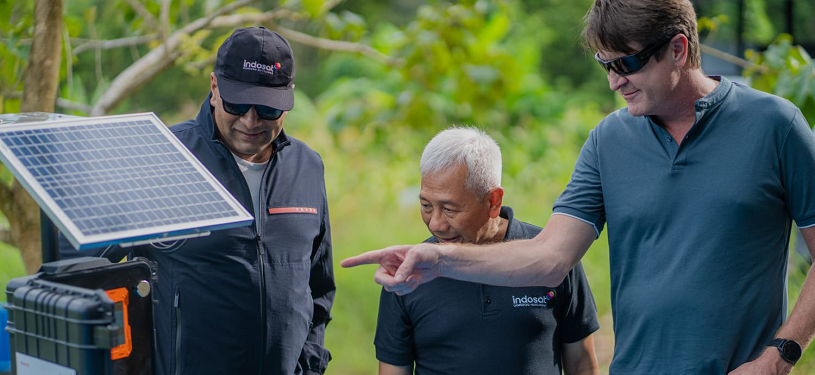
[{"x": 39, "y": 95}]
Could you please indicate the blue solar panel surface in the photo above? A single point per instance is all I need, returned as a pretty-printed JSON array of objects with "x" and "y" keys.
[{"x": 117, "y": 176}]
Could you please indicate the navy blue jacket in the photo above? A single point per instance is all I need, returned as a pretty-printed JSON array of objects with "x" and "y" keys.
[{"x": 241, "y": 301}]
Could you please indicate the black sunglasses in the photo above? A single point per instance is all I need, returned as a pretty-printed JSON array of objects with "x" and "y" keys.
[
  {"x": 264, "y": 112},
  {"x": 630, "y": 64}
]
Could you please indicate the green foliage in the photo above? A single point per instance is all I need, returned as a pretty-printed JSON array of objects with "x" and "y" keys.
[
  {"x": 785, "y": 70},
  {"x": 314, "y": 8},
  {"x": 344, "y": 26},
  {"x": 11, "y": 266},
  {"x": 463, "y": 64},
  {"x": 15, "y": 24},
  {"x": 758, "y": 28}
]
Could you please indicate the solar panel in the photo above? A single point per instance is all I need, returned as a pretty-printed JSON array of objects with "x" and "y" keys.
[{"x": 117, "y": 180}]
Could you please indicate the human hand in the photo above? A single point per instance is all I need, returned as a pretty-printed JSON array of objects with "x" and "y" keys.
[
  {"x": 769, "y": 362},
  {"x": 402, "y": 268}
]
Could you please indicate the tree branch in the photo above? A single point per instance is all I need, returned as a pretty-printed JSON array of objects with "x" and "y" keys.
[
  {"x": 165, "y": 55},
  {"x": 83, "y": 44},
  {"x": 60, "y": 102},
  {"x": 74, "y": 106},
  {"x": 156, "y": 60},
  {"x": 88, "y": 44},
  {"x": 165, "y": 19},
  {"x": 732, "y": 58},
  {"x": 225, "y": 9},
  {"x": 338, "y": 45},
  {"x": 254, "y": 18},
  {"x": 144, "y": 13}
]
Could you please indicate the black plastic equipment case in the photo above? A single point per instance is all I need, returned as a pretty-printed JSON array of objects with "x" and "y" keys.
[{"x": 63, "y": 315}]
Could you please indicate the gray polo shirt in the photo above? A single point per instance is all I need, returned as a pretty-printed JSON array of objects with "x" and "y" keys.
[{"x": 698, "y": 233}]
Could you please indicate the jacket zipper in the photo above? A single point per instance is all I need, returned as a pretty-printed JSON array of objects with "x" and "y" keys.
[
  {"x": 262, "y": 304},
  {"x": 262, "y": 267},
  {"x": 177, "y": 306},
  {"x": 261, "y": 263}
]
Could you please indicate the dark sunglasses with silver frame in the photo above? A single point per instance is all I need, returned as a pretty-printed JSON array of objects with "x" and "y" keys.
[
  {"x": 264, "y": 112},
  {"x": 630, "y": 64}
]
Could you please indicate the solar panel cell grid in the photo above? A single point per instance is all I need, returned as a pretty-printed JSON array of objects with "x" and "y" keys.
[{"x": 117, "y": 176}]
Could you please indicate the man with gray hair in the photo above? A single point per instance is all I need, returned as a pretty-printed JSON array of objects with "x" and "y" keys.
[{"x": 449, "y": 326}]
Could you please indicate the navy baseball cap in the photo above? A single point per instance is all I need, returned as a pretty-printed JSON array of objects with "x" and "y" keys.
[{"x": 256, "y": 66}]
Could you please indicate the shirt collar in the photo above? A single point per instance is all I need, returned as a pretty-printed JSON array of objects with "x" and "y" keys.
[
  {"x": 514, "y": 230},
  {"x": 717, "y": 96}
]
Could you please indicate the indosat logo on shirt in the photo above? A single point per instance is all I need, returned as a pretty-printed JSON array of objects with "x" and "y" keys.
[
  {"x": 533, "y": 301},
  {"x": 260, "y": 67}
]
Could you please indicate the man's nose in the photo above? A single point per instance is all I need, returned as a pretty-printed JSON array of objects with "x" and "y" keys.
[
  {"x": 437, "y": 222},
  {"x": 251, "y": 119},
  {"x": 615, "y": 81}
]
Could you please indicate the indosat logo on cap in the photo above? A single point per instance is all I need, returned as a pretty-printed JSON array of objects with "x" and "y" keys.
[{"x": 260, "y": 67}]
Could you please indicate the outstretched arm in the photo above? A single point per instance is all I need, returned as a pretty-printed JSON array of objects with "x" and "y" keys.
[{"x": 544, "y": 260}]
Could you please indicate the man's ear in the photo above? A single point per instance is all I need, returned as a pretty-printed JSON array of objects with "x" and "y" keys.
[
  {"x": 679, "y": 50},
  {"x": 213, "y": 86},
  {"x": 495, "y": 197}
]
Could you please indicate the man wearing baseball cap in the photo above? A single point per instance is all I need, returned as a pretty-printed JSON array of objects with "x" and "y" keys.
[
  {"x": 256, "y": 299},
  {"x": 253, "y": 299}
]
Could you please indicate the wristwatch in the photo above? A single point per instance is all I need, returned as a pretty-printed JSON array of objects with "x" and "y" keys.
[{"x": 790, "y": 349}]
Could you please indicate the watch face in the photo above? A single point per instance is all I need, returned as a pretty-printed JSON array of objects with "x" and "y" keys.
[{"x": 792, "y": 351}]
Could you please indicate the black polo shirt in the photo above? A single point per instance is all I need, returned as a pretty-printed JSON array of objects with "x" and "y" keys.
[{"x": 455, "y": 327}]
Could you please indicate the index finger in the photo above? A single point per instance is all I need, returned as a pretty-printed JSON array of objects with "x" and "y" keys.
[
  {"x": 369, "y": 257},
  {"x": 389, "y": 253}
]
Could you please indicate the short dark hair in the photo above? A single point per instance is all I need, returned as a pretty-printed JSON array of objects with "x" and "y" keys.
[{"x": 612, "y": 24}]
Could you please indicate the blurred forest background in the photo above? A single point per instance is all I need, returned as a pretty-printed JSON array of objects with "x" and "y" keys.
[{"x": 375, "y": 81}]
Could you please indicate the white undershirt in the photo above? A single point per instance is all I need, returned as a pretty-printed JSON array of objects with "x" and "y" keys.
[{"x": 253, "y": 173}]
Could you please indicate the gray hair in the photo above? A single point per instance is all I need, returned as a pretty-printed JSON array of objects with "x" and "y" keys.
[{"x": 469, "y": 146}]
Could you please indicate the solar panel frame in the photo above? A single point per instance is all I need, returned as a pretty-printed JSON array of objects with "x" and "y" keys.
[{"x": 32, "y": 177}]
